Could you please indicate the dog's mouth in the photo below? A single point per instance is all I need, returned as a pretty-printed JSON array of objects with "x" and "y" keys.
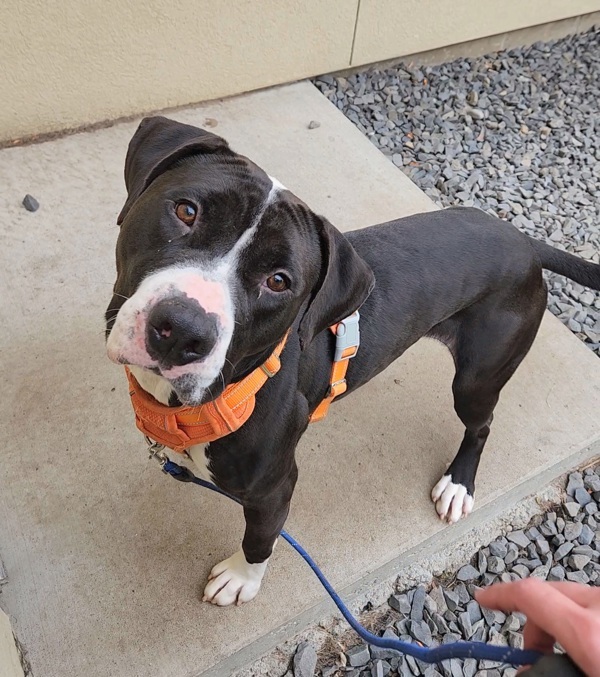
[{"x": 183, "y": 391}]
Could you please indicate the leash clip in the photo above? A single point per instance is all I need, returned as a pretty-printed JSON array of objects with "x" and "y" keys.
[
  {"x": 347, "y": 337},
  {"x": 156, "y": 451}
]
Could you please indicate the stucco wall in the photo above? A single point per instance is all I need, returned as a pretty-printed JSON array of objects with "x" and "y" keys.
[
  {"x": 388, "y": 28},
  {"x": 67, "y": 63}
]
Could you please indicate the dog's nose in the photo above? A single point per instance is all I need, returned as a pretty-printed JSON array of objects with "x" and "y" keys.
[{"x": 179, "y": 331}]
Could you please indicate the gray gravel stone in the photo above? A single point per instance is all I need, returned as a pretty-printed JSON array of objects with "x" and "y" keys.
[
  {"x": 515, "y": 640},
  {"x": 467, "y": 573},
  {"x": 572, "y": 508},
  {"x": 464, "y": 623},
  {"x": 582, "y": 497},
  {"x": 474, "y": 611},
  {"x": 549, "y": 529},
  {"x": 402, "y": 626},
  {"x": 496, "y": 565},
  {"x": 592, "y": 483},
  {"x": 418, "y": 604},
  {"x": 541, "y": 545},
  {"x": 383, "y": 654},
  {"x": 586, "y": 536},
  {"x": 578, "y": 577},
  {"x": 437, "y": 595},
  {"x": 469, "y": 667},
  {"x": 481, "y": 562},
  {"x": 305, "y": 660},
  {"x": 521, "y": 570},
  {"x": 358, "y": 655},
  {"x": 499, "y": 548},
  {"x": 313, "y": 124},
  {"x": 578, "y": 562},
  {"x": 575, "y": 482},
  {"x": 563, "y": 551},
  {"x": 463, "y": 594},
  {"x": 440, "y": 622},
  {"x": 413, "y": 665},
  {"x": 421, "y": 632},
  {"x": 377, "y": 669},
  {"x": 557, "y": 573},
  {"x": 572, "y": 530},
  {"x": 512, "y": 555},
  {"x": 518, "y": 538},
  {"x": 451, "y": 600},
  {"x": 489, "y": 616},
  {"x": 431, "y": 672},
  {"x": 30, "y": 203},
  {"x": 400, "y": 604}
]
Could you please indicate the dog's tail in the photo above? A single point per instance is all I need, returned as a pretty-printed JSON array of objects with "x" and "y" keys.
[{"x": 563, "y": 263}]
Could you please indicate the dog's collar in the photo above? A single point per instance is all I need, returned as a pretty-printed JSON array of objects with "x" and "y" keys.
[{"x": 180, "y": 428}]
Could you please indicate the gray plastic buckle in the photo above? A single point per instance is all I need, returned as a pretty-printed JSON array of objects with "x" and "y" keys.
[{"x": 347, "y": 336}]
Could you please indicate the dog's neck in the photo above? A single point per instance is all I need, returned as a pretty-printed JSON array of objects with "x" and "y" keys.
[{"x": 154, "y": 384}]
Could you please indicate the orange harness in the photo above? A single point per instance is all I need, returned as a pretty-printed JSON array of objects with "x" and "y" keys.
[{"x": 180, "y": 428}]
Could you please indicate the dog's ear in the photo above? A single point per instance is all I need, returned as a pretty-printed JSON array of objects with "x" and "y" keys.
[
  {"x": 156, "y": 145},
  {"x": 345, "y": 283}
]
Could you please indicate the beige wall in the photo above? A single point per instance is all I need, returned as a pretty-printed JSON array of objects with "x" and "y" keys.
[
  {"x": 389, "y": 28},
  {"x": 67, "y": 63}
]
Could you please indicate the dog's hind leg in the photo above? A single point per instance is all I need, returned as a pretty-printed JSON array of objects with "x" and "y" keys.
[{"x": 488, "y": 342}]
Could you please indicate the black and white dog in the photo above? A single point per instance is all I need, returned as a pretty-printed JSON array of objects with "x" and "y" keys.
[{"x": 216, "y": 261}]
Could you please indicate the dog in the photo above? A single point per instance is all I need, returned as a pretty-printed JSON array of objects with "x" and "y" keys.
[{"x": 218, "y": 264}]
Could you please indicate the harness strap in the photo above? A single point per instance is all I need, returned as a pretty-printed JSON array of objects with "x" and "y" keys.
[
  {"x": 180, "y": 428},
  {"x": 347, "y": 341}
]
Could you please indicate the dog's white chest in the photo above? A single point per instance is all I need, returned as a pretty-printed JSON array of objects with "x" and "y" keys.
[{"x": 198, "y": 454}]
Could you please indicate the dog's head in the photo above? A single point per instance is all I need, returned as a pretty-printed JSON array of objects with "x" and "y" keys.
[{"x": 215, "y": 260}]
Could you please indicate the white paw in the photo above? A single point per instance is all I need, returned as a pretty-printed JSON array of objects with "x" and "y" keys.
[
  {"x": 452, "y": 501},
  {"x": 234, "y": 581}
]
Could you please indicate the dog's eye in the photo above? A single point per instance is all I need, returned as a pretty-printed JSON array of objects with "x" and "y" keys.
[
  {"x": 278, "y": 282},
  {"x": 186, "y": 212}
]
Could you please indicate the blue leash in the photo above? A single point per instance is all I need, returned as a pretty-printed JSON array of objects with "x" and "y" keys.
[{"x": 478, "y": 650}]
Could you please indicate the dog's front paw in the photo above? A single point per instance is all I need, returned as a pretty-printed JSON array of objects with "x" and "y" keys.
[
  {"x": 452, "y": 501},
  {"x": 234, "y": 581}
]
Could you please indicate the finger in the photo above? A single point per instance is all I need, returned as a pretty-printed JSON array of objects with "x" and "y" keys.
[
  {"x": 545, "y": 605},
  {"x": 537, "y": 639},
  {"x": 581, "y": 594}
]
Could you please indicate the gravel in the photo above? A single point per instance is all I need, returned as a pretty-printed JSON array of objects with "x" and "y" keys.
[
  {"x": 448, "y": 611},
  {"x": 305, "y": 660},
  {"x": 30, "y": 203},
  {"x": 515, "y": 133}
]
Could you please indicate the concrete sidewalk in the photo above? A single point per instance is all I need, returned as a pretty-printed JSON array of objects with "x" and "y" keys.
[{"x": 105, "y": 555}]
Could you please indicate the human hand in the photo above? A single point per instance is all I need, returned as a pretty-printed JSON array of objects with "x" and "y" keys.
[{"x": 567, "y": 613}]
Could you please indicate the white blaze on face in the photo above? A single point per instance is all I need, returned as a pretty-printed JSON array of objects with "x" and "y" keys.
[{"x": 212, "y": 285}]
